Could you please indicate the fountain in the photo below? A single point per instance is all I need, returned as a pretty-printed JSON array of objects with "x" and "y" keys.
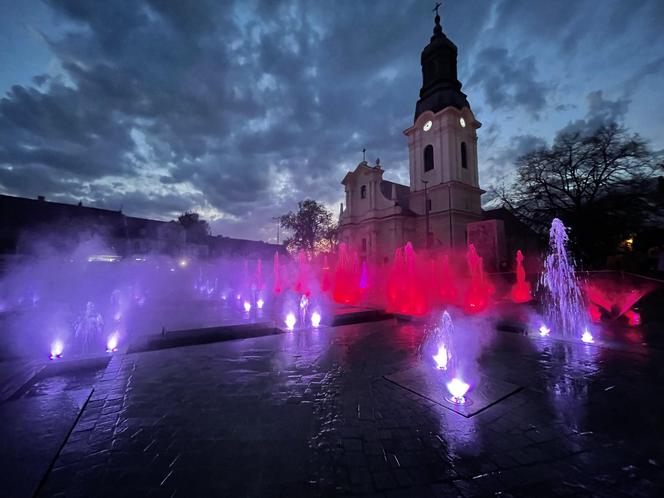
[
  {"x": 278, "y": 286},
  {"x": 521, "y": 289},
  {"x": 563, "y": 304},
  {"x": 439, "y": 344},
  {"x": 480, "y": 289},
  {"x": 88, "y": 328},
  {"x": 304, "y": 306},
  {"x": 290, "y": 321},
  {"x": 346, "y": 278}
]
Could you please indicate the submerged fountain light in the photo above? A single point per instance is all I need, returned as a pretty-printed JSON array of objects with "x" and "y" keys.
[
  {"x": 441, "y": 358},
  {"x": 458, "y": 390},
  {"x": 587, "y": 337},
  {"x": 544, "y": 330},
  {"x": 56, "y": 349},
  {"x": 290, "y": 321},
  {"x": 112, "y": 343},
  {"x": 247, "y": 306},
  {"x": 259, "y": 304},
  {"x": 315, "y": 319}
]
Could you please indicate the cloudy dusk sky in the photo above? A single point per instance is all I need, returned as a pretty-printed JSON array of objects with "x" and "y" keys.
[{"x": 240, "y": 109}]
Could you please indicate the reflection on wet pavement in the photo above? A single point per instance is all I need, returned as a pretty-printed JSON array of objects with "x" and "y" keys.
[{"x": 310, "y": 413}]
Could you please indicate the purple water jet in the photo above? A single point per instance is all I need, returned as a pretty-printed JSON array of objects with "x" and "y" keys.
[{"x": 564, "y": 310}]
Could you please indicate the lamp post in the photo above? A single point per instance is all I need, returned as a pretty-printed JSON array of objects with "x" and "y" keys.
[
  {"x": 426, "y": 212},
  {"x": 449, "y": 209},
  {"x": 278, "y": 220}
]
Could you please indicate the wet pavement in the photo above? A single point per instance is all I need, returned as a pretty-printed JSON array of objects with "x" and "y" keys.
[{"x": 312, "y": 413}]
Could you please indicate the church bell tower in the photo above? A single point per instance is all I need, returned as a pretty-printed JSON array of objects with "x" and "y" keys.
[{"x": 442, "y": 143}]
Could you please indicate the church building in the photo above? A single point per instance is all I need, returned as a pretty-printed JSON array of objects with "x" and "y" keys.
[{"x": 444, "y": 193}]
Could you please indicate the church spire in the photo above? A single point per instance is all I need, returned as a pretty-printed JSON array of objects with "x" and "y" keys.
[
  {"x": 437, "y": 29},
  {"x": 440, "y": 86}
]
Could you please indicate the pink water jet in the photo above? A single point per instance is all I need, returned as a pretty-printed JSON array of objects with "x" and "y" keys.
[
  {"x": 278, "y": 285},
  {"x": 521, "y": 289},
  {"x": 480, "y": 289},
  {"x": 346, "y": 277},
  {"x": 610, "y": 299}
]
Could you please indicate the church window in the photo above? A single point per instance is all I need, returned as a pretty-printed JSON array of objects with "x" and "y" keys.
[
  {"x": 464, "y": 156},
  {"x": 428, "y": 158},
  {"x": 364, "y": 244},
  {"x": 363, "y": 192}
]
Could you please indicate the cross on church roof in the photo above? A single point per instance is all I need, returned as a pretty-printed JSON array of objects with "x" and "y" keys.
[{"x": 435, "y": 9}]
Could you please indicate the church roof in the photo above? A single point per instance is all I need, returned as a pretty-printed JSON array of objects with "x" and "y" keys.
[
  {"x": 440, "y": 86},
  {"x": 403, "y": 192}
]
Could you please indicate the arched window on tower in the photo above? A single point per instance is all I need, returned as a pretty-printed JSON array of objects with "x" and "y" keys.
[
  {"x": 464, "y": 156},
  {"x": 363, "y": 192},
  {"x": 428, "y": 158}
]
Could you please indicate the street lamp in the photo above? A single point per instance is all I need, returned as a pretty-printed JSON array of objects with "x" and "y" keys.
[
  {"x": 278, "y": 220},
  {"x": 449, "y": 204},
  {"x": 426, "y": 212}
]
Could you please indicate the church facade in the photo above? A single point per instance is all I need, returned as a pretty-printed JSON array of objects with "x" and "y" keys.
[{"x": 443, "y": 197}]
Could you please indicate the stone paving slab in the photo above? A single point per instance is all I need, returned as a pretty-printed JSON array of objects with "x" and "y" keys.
[
  {"x": 430, "y": 384},
  {"x": 33, "y": 429},
  {"x": 310, "y": 413}
]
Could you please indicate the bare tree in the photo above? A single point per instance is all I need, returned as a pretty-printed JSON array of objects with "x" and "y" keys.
[{"x": 597, "y": 184}]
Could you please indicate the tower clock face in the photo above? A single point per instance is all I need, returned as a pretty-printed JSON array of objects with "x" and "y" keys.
[
  {"x": 427, "y": 126},
  {"x": 462, "y": 122}
]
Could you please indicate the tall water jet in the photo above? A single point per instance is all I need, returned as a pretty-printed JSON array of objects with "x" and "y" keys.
[
  {"x": 346, "y": 277},
  {"x": 438, "y": 345},
  {"x": 521, "y": 288},
  {"x": 278, "y": 286},
  {"x": 563, "y": 304},
  {"x": 446, "y": 289},
  {"x": 302, "y": 282},
  {"x": 479, "y": 290},
  {"x": 88, "y": 328},
  {"x": 326, "y": 278}
]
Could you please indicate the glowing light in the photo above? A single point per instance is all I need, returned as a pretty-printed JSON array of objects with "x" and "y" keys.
[
  {"x": 315, "y": 319},
  {"x": 260, "y": 304},
  {"x": 56, "y": 349},
  {"x": 103, "y": 258},
  {"x": 290, "y": 321},
  {"x": 587, "y": 337},
  {"x": 441, "y": 357},
  {"x": 183, "y": 263},
  {"x": 544, "y": 330},
  {"x": 112, "y": 343},
  {"x": 247, "y": 306},
  {"x": 458, "y": 390}
]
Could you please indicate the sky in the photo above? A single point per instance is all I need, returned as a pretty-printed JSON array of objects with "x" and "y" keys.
[{"x": 240, "y": 109}]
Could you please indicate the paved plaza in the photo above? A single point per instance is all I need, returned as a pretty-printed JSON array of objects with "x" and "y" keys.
[{"x": 313, "y": 413}]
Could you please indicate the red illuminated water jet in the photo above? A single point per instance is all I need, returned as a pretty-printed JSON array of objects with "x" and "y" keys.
[
  {"x": 302, "y": 283},
  {"x": 610, "y": 299},
  {"x": 346, "y": 277},
  {"x": 406, "y": 288},
  {"x": 521, "y": 289},
  {"x": 480, "y": 289}
]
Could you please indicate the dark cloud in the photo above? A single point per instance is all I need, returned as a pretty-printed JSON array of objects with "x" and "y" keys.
[
  {"x": 242, "y": 108},
  {"x": 509, "y": 82},
  {"x": 600, "y": 111}
]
